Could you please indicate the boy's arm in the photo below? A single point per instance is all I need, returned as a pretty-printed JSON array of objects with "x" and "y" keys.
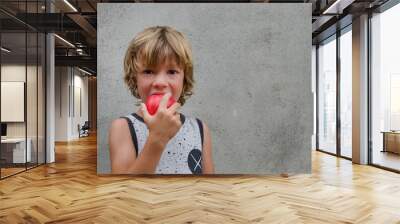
[
  {"x": 122, "y": 151},
  {"x": 207, "y": 161},
  {"x": 162, "y": 127}
]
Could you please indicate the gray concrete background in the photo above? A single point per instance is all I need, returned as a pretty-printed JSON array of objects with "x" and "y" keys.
[{"x": 252, "y": 66}]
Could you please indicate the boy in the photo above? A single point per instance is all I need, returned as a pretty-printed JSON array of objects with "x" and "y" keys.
[{"x": 159, "y": 61}]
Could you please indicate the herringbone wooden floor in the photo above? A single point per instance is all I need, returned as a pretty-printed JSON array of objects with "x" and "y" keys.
[{"x": 69, "y": 191}]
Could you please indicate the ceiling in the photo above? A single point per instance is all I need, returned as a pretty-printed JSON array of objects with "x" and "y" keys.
[{"x": 76, "y": 22}]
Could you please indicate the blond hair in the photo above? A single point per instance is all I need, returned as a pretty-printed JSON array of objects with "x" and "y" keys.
[{"x": 153, "y": 46}]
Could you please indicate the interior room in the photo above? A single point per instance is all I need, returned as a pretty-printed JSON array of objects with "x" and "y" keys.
[{"x": 50, "y": 95}]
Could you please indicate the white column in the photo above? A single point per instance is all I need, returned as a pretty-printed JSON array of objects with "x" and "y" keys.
[
  {"x": 50, "y": 99},
  {"x": 314, "y": 91},
  {"x": 50, "y": 82},
  {"x": 360, "y": 90}
]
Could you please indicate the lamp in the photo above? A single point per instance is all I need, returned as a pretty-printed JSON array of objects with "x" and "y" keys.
[
  {"x": 5, "y": 50},
  {"x": 65, "y": 41},
  {"x": 70, "y": 5}
]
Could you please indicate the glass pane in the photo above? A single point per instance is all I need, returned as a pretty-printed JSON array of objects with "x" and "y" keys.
[
  {"x": 346, "y": 93},
  {"x": 41, "y": 98},
  {"x": 13, "y": 86},
  {"x": 32, "y": 7},
  {"x": 327, "y": 96},
  {"x": 42, "y": 6},
  {"x": 386, "y": 89},
  {"x": 31, "y": 82},
  {"x": 31, "y": 100},
  {"x": 23, "y": 82}
]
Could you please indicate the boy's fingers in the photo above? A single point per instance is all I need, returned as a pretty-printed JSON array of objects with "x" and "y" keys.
[
  {"x": 175, "y": 107},
  {"x": 178, "y": 118},
  {"x": 144, "y": 110},
  {"x": 164, "y": 101}
]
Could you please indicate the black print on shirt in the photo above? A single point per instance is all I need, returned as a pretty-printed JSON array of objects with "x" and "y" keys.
[{"x": 194, "y": 161}]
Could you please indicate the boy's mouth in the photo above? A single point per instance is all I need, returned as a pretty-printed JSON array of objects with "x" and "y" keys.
[
  {"x": 153, "y": 101},
  {"x": 157, "y": 93}
]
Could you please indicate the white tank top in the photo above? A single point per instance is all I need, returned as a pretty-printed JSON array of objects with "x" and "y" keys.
[{"x": 183, "y": 153}]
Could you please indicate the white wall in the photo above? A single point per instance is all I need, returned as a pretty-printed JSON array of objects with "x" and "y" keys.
[
  {"x": 17, "y": 72},
  {"x": 33, "y": 126},
  {"x": 10, "y": 73},
  {"x": 79, "y": 117},
  {"x": 69, "y": 82},
  {"x": 62, "y": 80}
]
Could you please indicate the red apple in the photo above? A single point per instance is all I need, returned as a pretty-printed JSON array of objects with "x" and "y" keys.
[{"x": 153, "y": 102}]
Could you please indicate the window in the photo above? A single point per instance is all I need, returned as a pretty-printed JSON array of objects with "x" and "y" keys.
[
  {"x": 327, "y": 95},
  {"x": 346, "y": 75},
  {"x": 385, "y": 88}
]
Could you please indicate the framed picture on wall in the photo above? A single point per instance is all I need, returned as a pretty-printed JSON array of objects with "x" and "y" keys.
[{"x": 12, "y": 101}]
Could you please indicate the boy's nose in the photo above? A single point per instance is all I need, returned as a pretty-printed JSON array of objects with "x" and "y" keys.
[{"x": 160, "y": 81}]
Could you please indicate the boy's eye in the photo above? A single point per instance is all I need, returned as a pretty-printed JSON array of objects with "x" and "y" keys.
[
  {"x": 173, "y": 71},
  {"x": 147, "y": 71}
]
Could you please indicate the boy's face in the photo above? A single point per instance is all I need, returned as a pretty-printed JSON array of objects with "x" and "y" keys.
[{"x": 167, "y": 77}]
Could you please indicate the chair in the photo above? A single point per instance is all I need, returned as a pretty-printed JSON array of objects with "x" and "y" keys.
[{"x": 84, "y": 130}]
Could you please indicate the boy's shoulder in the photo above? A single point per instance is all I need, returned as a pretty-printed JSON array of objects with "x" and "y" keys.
[
  {"x": 119, "y": 122},
  {"x": 191, "y": 118},
  {"x": 118, "y": 127},
  {"x": 194, "y": 118}
]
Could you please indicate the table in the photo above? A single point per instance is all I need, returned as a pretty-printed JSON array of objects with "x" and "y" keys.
[
  {"x": 391, "y": 141},
  {"x": 16, "y": 148}
]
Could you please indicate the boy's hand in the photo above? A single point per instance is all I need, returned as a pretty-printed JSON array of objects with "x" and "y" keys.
[{"x": 165, "y": 123}]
